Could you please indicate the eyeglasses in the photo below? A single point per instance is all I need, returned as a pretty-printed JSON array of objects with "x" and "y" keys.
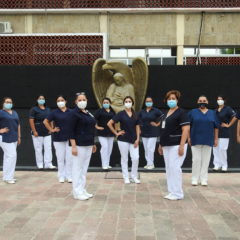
[{"x": 81, "y": 93}]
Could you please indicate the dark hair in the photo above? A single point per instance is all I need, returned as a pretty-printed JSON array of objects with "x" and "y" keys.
[
  {"x": 61, "y": 97},
  {"x": 129, "y": 98},
  {"x": 148, "y": 97},
  {"x": 221, "y": 96},
  {"x": 106, "y": 98},
  {"x": 202, "y": 95},
  {"x": 4, "y": 99},
  {"x": 80, "y": 93},
  {"x": 40, "y": 95},
  {"x": 174, "y": 92}
]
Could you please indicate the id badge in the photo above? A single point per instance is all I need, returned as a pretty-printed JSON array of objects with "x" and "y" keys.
[{"x": 163, "y": 124}]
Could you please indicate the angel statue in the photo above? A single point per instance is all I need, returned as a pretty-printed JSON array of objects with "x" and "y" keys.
[
  {"x": 116, "y": 80},
  {"x": 118, "y": 90}
]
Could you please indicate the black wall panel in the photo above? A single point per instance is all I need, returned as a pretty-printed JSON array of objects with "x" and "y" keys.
[{"x": 24, "y": 83}]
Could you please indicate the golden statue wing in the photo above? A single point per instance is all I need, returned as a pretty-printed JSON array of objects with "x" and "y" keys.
[
  {"x": 140, "y": 80},
  {"x": 101, "y": 80}
]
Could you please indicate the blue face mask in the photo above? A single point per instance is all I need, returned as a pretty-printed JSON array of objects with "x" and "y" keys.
[
  {"x": 7, "y": 106},
  {"x": 149, "y": 104},
  {"x": 172, "y": 103},
  {"x": 41, "y": 101},
  {"x": 106, "y": 105}
]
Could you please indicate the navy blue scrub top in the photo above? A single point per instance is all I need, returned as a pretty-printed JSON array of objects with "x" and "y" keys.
[
  {"x": 102, "y": 116},
  {"x": 82, "y": 127},
  {"x": 154, "y": 115},
  {"x": 11, "y": 121},
  {"x": 61, "y": 120},
  {"x": 202, "y": 127},
  {"x": 238, "y": 115},
  {"x": 171, "y": 127},
  {"x": 225, "y": 116},
  {"x": 128, "y": 124},
  {"x": 39, "y": 115}
]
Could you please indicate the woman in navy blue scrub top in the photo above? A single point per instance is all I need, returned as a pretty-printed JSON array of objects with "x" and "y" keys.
[
  {"x": 173, "y": 144},
  {"x": 10, "y": 137},
  {"x": 57, "y": 122},
  {"x": 150, "y": 121},
  {"x": 128, "y": 138},
  {"x": 226, "y": 117},
  {"x": 105, "y": 136},
  {"x": 82, "y": 133},
  {"x": 40, "y": 134},
  {"x": 203, "y": 136}
]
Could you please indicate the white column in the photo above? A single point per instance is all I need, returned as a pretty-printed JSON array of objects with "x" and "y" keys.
[
  {"x": 180, "y": 38},
  {"x": 28, "y": 24},
  {"x": 103, "y": 28}
]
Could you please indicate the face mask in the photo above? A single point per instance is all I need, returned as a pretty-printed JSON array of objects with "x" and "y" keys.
[
  {"x": 202, "y": 105},
  {"x": 220, "y": 102},
  {"x": 7, "y": 106},
  {"x": 172, "y": 103},
  {"x": 148, "y": 104},
  {"x": 106, "y": 105},
  {"x": 41, "y": 101},
  {"x": 128, "y": 105},
  {"x": 61, "y": 104},
  {"x": 82, "y": 104}
]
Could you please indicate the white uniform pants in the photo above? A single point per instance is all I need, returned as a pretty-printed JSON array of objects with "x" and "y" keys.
[
  {"x": 9, "y": 159},
  {"x": 220, "y": 153},
  {"x": 149, "y": 145},
  {"x": 173, "y": 164},
  {"x": 125, "y": 148},
  {"x": 106, "y": 149},
  {"x": 64, "y": 159},
  {"x": 46, "y": 158},
  {"x": 80, "y": 165},
  {"x": 201, "y": 155}
]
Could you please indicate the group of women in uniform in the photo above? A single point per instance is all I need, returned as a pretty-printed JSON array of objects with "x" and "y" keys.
[{"x": 73, "y": 134}]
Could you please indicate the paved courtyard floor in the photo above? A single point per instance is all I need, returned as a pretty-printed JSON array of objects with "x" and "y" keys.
[{"x": 38, "y": 207}]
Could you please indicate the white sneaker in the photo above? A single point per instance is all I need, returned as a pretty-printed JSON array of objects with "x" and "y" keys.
[
  {"x": 109, "y": 167},
  {"x": 194, "y": 183},
  {"x": 10, "y": 181},
  {"x": 136, "y": 180},
  {"x": 61, "y": 180},
  {"x": 224, "y": 169},
  {"x": 89, "y": 195},
  {"x": 172, "y": 198},
  {"x": 126, "y": 181},
  {"x": 216, "y": 169},
  {"x": 69, "y": 180},
  {"x": 204, "y": 183},
  {"x": 81, "y": 197},
  {"x": 105, "y": 168},
  {"x": 146, "y": 166},
  {"x": 150, "y": 167},
  {"x": 40, "y": 167},
  {"x": 167, "y": 196},
  {"x": 51, "y": 167}
]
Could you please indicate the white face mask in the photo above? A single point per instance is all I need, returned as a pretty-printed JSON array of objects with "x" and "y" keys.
[
  {"x": 128, "y": 105},
  {"x": 61, "y": 104},
  {"x": 82, "y": 104},
  {"x": 220, "y": 102}
]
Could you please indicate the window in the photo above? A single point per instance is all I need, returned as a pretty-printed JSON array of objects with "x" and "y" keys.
[
  {"x": 211, "y": 52},
  {"x": 132, "y": 53},
  {"x": 153, "y": 56},
  {"x": 118, "y": 53}
]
